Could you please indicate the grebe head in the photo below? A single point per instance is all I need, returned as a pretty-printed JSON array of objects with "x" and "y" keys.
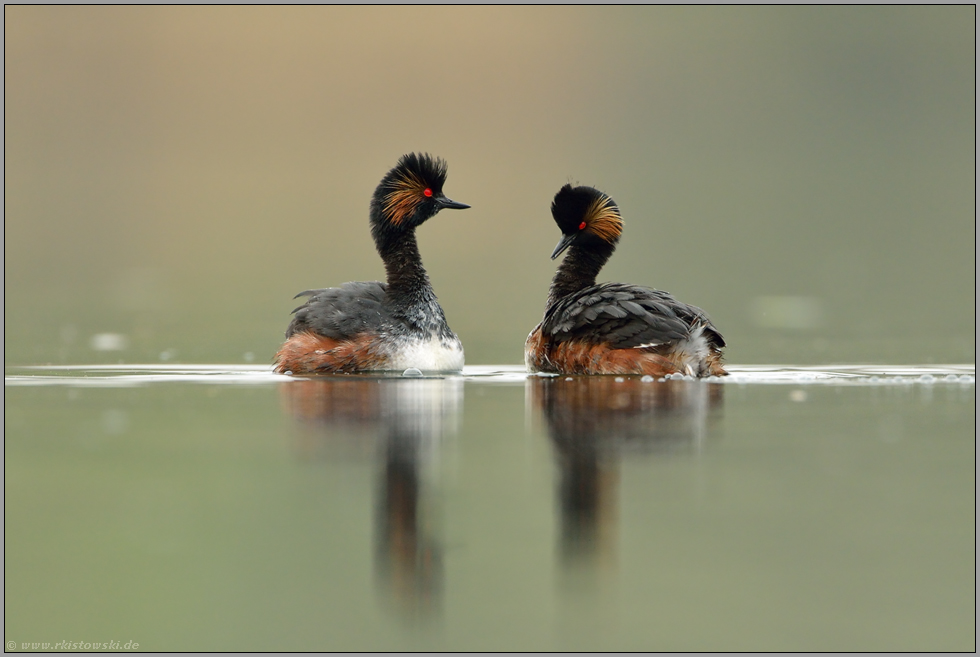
[
  {"x": 587, "y": 218},
  {"x": 411, "y": 193}
]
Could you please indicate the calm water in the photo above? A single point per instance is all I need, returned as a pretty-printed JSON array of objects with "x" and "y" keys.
[
  {"x": 174, "y": 175},
  {"x": 227, "y": 508}
]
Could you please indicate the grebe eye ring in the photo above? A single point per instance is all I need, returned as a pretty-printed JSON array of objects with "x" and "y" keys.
[{"x": 427, "y": 192}]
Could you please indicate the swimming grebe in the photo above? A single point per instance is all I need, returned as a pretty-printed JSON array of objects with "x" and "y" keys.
[
  {"x": 612, "y": 328},
  {"x": 362, "y": 327}
]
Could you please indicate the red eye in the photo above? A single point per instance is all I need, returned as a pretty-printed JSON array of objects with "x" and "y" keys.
[
  {"x": 427, "y": 192},
  {"x": 581, "y": 226}
]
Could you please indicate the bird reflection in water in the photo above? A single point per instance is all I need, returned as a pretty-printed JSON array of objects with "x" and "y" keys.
[
  {"x": 595, "y": 422},
  {"x": 399, "y": 422}
]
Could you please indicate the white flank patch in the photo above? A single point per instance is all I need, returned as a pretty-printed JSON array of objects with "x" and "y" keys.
[
  {"x": 693, "y": 350},
  {"x": 527, "y": 354},
  {"x": 432, "y": 355}
]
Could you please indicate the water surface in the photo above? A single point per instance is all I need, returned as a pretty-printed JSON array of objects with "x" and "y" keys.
[{"x": 228, "y": 508}]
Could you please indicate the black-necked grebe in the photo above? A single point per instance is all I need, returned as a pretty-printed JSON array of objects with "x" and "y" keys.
[
  {"x": 372, "y": 326},
  {"x": 612, "y": 328}
]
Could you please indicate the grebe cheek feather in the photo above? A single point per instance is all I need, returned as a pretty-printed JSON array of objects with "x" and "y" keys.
[
  {"x": 612, "y": 328},
  {"x": 373, "y": 326}
]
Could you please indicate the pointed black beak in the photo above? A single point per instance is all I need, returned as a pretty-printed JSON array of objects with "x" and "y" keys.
[
  {"x": 564, "y": 243},
  {"x": 450, "y": 204}
]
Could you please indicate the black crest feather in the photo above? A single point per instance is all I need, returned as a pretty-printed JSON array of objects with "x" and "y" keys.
[
  {"x": 406, "y": 195},
  {"x": 574, "y": 205},
  {"x": 427, "y": 168}
]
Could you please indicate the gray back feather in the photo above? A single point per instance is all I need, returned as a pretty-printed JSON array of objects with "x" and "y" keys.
[
  {"x": 342, "y": 312},
  {"x": 626, "y": 316}
]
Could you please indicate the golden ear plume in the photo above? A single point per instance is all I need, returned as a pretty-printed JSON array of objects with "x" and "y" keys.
[
  {"x": 405, "y": 197},
  {"x": 603, "y": 219}
]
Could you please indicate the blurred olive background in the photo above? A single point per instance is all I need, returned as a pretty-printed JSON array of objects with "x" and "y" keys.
[{"x": 173, "y": 175}]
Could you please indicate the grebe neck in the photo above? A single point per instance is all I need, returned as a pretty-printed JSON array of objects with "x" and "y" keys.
[
  {"x": 577, "y": 271},
  {"x": 408, "y": 283}
]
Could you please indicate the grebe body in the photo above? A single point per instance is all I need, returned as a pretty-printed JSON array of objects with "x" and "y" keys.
[
  {"x": 612, "y": 328},
  {"x": 374, "y": 326}
]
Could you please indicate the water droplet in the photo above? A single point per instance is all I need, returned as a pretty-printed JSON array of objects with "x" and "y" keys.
[
  {"x": 568, "y": 378},
  {"x": 646, "y": 378},
  {"x": 109, "y": 342},
  {"x": 927, "y": 378},
  {"x": 619, "y": 379},
  {"x": 412, "y": 371}
]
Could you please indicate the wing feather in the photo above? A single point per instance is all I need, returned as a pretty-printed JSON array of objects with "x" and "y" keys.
[
  {"x": 626, "y": 316},
  {"x": 341, "y": 312}
]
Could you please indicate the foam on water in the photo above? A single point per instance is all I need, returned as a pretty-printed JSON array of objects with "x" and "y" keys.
[{"x": 144, "y": 374}]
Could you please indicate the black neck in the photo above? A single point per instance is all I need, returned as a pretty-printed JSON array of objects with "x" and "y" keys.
[
  {"x": 578, "y": 270},
  {"x": 408, "y": 284}
]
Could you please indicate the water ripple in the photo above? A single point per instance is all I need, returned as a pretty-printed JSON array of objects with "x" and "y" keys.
[{"x": 115, "y": 376}]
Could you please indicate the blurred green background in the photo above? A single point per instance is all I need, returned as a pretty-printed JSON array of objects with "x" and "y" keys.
[{"x": 173, "y": 175}]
